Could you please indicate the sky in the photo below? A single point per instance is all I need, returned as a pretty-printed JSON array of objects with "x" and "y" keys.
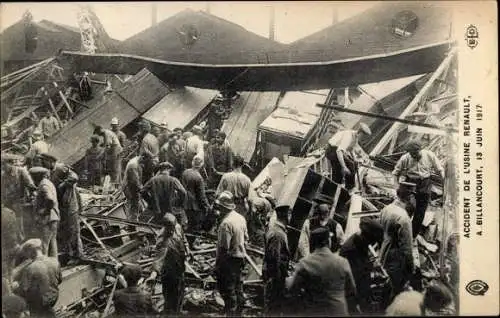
[{"x": 293, "y": 20}]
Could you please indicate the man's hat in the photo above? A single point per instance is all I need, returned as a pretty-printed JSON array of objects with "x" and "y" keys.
[
  {"x": 364, "y": 128},
  {"x": 169, "y": 220},
  {"x": 164, "y": 126},
  {"x": 196, "y": 129},
  {"x": 37, "y": 134},
  {"x": 413, "y": 146},
  {"x": 197, "y": 162},
  {"x": 31, "y": 244},
  {"x": 187, "y": 134},
  {"x": 145, "y": 125},
  {"x": 323, "y": 208},
  {"x": 114, "y": 121},
  {"x": 38, "y": 171},
  {"x": 226, "y": 200},
  {"x": 164, "y": 165},
  {"x": 408, "y": 187}
]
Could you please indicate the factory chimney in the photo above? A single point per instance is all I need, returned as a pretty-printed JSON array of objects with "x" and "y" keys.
[
  {"x": 207, "y": 7},
  {"x": 154, "y": 9},
  {"x": 272, "y": 26}
]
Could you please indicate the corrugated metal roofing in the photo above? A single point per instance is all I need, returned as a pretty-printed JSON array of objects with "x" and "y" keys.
[
  {"x": 180, "y": 107},
  {"x": 126, "y": 102},
  {"x": 248, "y": 112},
  {"x": 296, "y": 113}
]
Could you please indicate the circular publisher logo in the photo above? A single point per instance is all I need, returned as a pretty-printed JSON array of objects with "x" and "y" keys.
[{"x": 477, "y": 287}]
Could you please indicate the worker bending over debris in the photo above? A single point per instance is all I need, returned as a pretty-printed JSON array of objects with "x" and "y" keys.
[
  {"x": 231, "y": 252},
  {"x": 340, "y": 152},
  {"x": 416, "y": 166},
  {"x": 132, "y": 185},
  {"x": 112, "y": 152},
  {"x": 356, "y": 249},
  {"x": 171, "y": 265}
]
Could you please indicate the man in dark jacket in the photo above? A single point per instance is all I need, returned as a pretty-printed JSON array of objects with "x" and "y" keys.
[
  {"x": 161, "y": 190},
  {"x": 196, "y": 205},
  {"x": 132, "y": 301},
  {"x": 17, "y": 186},
  {"x": 38, "y": 282},
  {"x": 276, "y": 260},
  {"x": 171, "y": 265},
  {"x": 326, "y": 279},
  {"x": 356, "y": 251}
]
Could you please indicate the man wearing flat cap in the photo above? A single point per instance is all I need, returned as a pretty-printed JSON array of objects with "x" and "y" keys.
[
  {"x": 38, "y": 281},
  {"x": 196, "y": 205},
  {"x": 69, "y": 203},
  {"x": 38, "y": 147},
  {"x": 276, "y": 261},
  {"x": 115, "y": 127},
  {"x": 159, "y": 192},
  {"x": 46, "y": 210},
  {"x": 94, "y": 162},
  {"x": 416, "y": 166},
  {"x": 326, "y": 279},
  {"x": 396, "y": 252},
  {"x": 340, "y": 151},
  {"x": 356, "y": 250},
  {"x": 133, "y": 301},
  {"x": 112, "y": 153},
  {"x": 194, "y": 145},
  {"x": 17, "y": 187},
  {"x": 231, "y": 252}
]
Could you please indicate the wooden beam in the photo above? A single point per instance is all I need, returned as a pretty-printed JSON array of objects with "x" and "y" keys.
[
  {"x": 413, "y": 104},
  {"x": 63, "y": 99},
  {"x": 396, "y": 119}
]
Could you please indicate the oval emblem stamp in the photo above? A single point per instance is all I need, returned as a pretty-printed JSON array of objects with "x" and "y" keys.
[{"x": 477, "y": 287}]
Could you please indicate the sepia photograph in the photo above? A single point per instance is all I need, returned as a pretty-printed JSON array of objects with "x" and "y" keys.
[{"x": 249, "y": 159}]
